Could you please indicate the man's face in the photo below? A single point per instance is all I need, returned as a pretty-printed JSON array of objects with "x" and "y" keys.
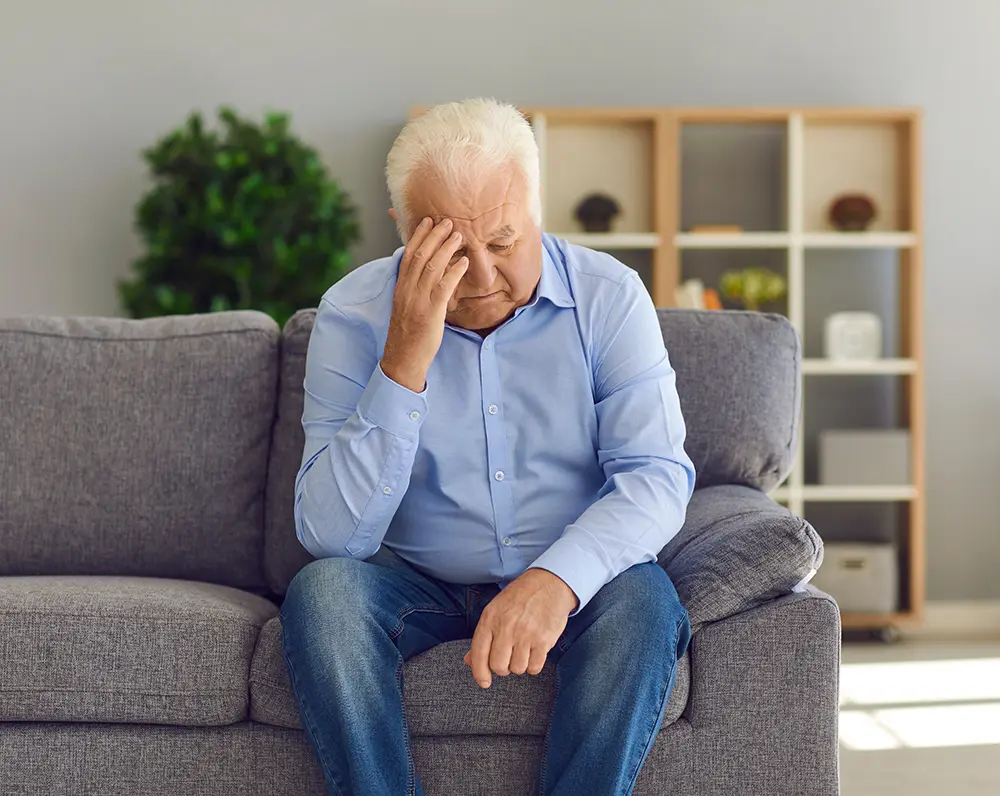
[{"x": 503, "y": 244}]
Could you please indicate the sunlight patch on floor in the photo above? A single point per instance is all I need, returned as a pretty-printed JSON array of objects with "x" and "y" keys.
[{"x": 920, "y": 704}]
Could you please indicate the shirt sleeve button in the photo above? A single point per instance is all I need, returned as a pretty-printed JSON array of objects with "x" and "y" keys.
[{"x": 387, "y": 490}]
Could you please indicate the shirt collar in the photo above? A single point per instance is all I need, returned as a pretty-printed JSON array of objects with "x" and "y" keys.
[{"x": 551, "y": 285}]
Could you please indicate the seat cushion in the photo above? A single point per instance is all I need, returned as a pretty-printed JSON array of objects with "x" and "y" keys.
[
  {"x": 441, "y": 696},
  {"x": 126, "y": 649},
  {"x": 136, "y": 447}
]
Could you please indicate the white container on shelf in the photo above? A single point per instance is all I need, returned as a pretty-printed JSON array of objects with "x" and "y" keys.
[
  {"x": 867, "y": 457},
  {"x": 852, "y": 336},
  {"x": 861, "y": 577}
]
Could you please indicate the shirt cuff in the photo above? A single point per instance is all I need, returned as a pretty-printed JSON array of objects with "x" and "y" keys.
[
  {"x": 576, "y": 567},
  {"x": 392, "y": 406}
]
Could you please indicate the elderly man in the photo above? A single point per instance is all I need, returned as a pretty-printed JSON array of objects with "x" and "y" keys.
[{"x": 494, "y": 451}]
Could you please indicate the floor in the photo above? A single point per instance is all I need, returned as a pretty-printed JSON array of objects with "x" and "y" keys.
[{"x": 920, "y": 719}]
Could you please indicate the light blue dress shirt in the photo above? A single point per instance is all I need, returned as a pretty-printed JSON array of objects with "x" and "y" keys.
[{"x": 555, "y": 442}]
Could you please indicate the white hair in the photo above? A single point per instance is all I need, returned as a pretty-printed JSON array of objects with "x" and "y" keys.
[{"x": 463, "y": 142}]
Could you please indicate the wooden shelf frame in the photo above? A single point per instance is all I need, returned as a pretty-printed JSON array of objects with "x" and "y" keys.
[{"x": 796, "y": 240}]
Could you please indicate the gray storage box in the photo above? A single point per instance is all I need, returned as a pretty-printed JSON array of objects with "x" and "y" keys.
[
  {"x": 862, "y": 578},
  {"x": 872, "y": 457}
]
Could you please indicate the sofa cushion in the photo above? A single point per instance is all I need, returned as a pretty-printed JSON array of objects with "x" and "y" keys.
[
  {"x": 136, "y": 447},
  {"x": 738, "y": 381},
  {"x": 441, "y": 696},
  {"x": 126, "y": 649},
  {"x": 738, "y": 549}
]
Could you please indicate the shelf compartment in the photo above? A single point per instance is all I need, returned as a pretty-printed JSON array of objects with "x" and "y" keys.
[
  {"x": 866, "y": 280},
  {"x": 598, "y": 155},
  {"x": 856, "y": 156},
  {"x": 612, "y": 240},
  {"x": 709, "y": 265},
  {"x": 875, "y": 367},
  {"x": 732, "y": 240},
  {"x": 734, "y": 173}
]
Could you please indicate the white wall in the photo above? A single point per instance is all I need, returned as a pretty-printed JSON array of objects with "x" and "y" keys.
[{"x": 84, "y": 86}]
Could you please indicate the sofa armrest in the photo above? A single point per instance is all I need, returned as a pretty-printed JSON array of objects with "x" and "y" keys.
[
  {"x": 738, "y": 549},
  {"x": 763, "y": 703}
]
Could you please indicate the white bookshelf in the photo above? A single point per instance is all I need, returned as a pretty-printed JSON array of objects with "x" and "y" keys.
[{"x": 823, "y": 153}]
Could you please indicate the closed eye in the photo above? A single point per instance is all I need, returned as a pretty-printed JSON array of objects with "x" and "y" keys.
[{"x": 501, "y": 248}]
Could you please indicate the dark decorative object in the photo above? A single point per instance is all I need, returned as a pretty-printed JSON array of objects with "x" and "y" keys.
[
  {"x": 596, "y": 212},
  {"x": 852, "y": 212}
]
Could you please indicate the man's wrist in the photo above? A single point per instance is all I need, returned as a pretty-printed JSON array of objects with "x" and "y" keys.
[
  {"x": 413, "y": 379},
  {"x": 566, "y": 594}
]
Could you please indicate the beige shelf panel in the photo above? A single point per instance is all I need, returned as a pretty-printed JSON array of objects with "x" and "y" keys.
[
  {"x": 612, "y": 240},
  {"x": 732, "y": 240},
  {"x": 859, "y": 240},
  {"x": 847, "y": 494},
  {"x": 876, "y": 367},
  {"x": 843, "y": 157},
  {"x": 612, "y": 158}
]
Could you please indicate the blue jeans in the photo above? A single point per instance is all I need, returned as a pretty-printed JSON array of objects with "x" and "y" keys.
[{"x": 348, "y": 625}]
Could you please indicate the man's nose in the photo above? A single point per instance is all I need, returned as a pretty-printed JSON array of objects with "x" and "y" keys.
[{"x": 481, "y": 273}]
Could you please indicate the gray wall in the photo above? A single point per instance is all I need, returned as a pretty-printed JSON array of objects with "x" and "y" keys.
[{"x": 83, "y": 86}]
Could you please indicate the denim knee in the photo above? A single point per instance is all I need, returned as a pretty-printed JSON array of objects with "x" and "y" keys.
[
  {"x": 329, "y": 590},
  {"x": 648, "y": 615}
]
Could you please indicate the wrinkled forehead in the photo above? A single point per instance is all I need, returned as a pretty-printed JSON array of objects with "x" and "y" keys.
[
  {"x": 478, "y": 207},
  {"x": 498, "y": 222}
]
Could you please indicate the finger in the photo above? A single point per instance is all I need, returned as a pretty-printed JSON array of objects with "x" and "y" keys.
[
  {"x": 467, "y": 660},
  {"x": 479, "y": 655},
  {"x": 418, "y": 236},
  {"x": 440, "y": 260},
  {"x": 536, "y": 661},
  {"x": 519, "y": 659},
  {"x": 449, "y": 282},
  {"x": 500, "y": 652},
  {"x": 427, "y": 248}
]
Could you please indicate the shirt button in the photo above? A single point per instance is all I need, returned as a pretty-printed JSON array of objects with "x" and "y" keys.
[
  {"x": 506, "y": 541},
  {"x": 414, "y": 415},
  {"x": 493, "y": 409},
  {"x": 486, "y": 345},
  {"x": 498, "y": 475},
  {"x": 387, "y": 490}
]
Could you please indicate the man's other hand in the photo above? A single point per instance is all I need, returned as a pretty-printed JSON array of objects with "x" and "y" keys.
[{"x": 520, "y": 625}]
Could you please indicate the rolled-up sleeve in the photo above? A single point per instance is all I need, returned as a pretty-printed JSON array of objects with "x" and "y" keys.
[
  {"x": 650, "y": 478},
  {"x": 362, "y": 431}
]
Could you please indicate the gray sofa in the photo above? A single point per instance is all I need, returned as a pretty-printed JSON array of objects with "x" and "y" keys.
[{"x": 146, "y": 538}]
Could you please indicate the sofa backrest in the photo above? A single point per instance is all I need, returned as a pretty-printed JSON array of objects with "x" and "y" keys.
[
  {"x": 738, "y": 381},
  {"x": 136, "y": 447}
]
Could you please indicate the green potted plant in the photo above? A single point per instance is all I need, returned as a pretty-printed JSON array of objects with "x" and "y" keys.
[
  {"x": 243, "y": 217},
  {"x": 753, "y": 287}
]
